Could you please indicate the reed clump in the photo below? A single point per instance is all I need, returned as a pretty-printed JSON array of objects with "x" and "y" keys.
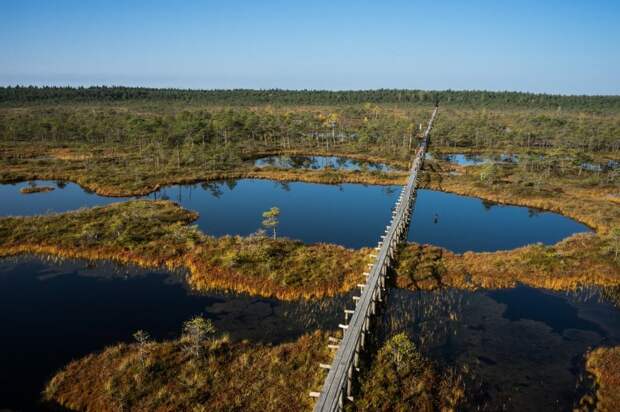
[
  {"x": 604, "y": 365},
  {"x": 402, "y": 379}
]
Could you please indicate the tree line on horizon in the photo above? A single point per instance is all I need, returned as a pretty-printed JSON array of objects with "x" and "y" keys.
[{"x": 241, "y": 97}]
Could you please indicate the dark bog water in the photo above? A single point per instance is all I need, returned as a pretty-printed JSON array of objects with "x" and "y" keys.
[
  {"x": 352, "y": 215},
  {"x": 523, "y": 347},
  {"x": 320, "y": 163},
  {"x": 53, "y": 313}
]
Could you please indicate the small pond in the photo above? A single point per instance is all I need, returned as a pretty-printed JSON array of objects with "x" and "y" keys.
[
  {"x": 53, "y": 313},
  {"x": 472, "y": 159},
  {"x": 320, "y": 163},
  {"x": 523, "y": 347},
  {"x": 462, "y": 223},
  {"x": 353, "y": 215},
  {"x": 477, "y": 159},
  {"x": 601, "y": 166}
]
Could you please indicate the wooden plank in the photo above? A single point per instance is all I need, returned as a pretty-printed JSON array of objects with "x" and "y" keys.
[{"x": 339, "y": 376}]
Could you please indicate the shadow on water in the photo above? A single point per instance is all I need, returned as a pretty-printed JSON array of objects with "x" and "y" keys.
[
  {"x": 522, "y": 348},
  {"x": 53, "y": 313}
]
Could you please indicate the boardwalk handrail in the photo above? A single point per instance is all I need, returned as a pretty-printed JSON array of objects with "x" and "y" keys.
[{"x": 339, "y": 378}]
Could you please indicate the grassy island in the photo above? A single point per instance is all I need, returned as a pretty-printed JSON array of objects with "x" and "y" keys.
[
  {"x": 402, "y": 379},
  {"x": 580, "y": 260},
  {"x": 158, "y": 233},
  {"x": 35, "y": 189},
  {"x": 164, "y": 376},
  {"x": 603, "y": 364}
]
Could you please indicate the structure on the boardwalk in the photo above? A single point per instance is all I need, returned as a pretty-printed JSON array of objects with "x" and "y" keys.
[{"x": 339, "y": 380}]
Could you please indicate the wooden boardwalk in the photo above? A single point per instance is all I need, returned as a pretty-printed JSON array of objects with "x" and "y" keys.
[{"x": 339, "y": 380}]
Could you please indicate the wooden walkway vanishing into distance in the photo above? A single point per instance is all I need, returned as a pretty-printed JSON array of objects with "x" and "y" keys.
[{"x": 339, "y": 380}]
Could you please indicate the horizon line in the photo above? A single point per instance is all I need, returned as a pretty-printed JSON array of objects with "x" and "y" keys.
[{"x": 276, "y": 89}]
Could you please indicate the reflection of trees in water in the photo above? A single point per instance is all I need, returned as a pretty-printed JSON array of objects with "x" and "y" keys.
[
  {"x": 163, "y": 195},
  {"x": 488, "y": 204},
  {"x": 595, "y": 294},
  {"x": 269, "y": 161},
  {"x": 509, "y": 158},
  {"x": 320, "y": 162},
  {"x": 533, "y": 212},
  {"x": 214, "y": 188},
  {"x": 286, "y": 186},
  {"x": 105, "y": 269},
  {"x": 302, "y": 162},
  {"x": 344, "y": 163},
  {"x": 231, "y": 184},
  {"x": 475, "y": 159},
  {"x": 611, "y": 294},
  {"x": 390, "y": 190}
]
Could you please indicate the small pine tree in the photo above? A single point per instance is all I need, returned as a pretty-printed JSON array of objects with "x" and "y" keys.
[
  {"x": 143, "y": 338},
  {"x": 613, "y": 243},
  {"x": 488, "y": 174},
  {"x": 195, "y": 332},
  {"x": 270, "y": 219}
]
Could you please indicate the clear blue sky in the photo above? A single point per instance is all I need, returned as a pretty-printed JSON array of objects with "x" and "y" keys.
[{"x": 559, "y": 46}]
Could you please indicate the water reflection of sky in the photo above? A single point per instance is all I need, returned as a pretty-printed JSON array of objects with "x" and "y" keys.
[
  {"x": 472, "y": 159},
  {"x": 353, "y": 215},
  {"x": 478, "y": 159},
  {"x": 462, "y": 223},
  {"x": 321, "y": 162}
]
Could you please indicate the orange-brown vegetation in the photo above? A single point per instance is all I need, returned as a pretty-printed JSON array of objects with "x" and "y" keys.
[
  {"x": 35, "y": 189},
  {"x": 402, "y": 379},
  {"x": 165, "y": 377},
  {"x": 114, "y": 174},
  {"x": 157, "y": 233},
  {"x": 579, "y": 260},
  {"x": 604, "y": 365}
]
